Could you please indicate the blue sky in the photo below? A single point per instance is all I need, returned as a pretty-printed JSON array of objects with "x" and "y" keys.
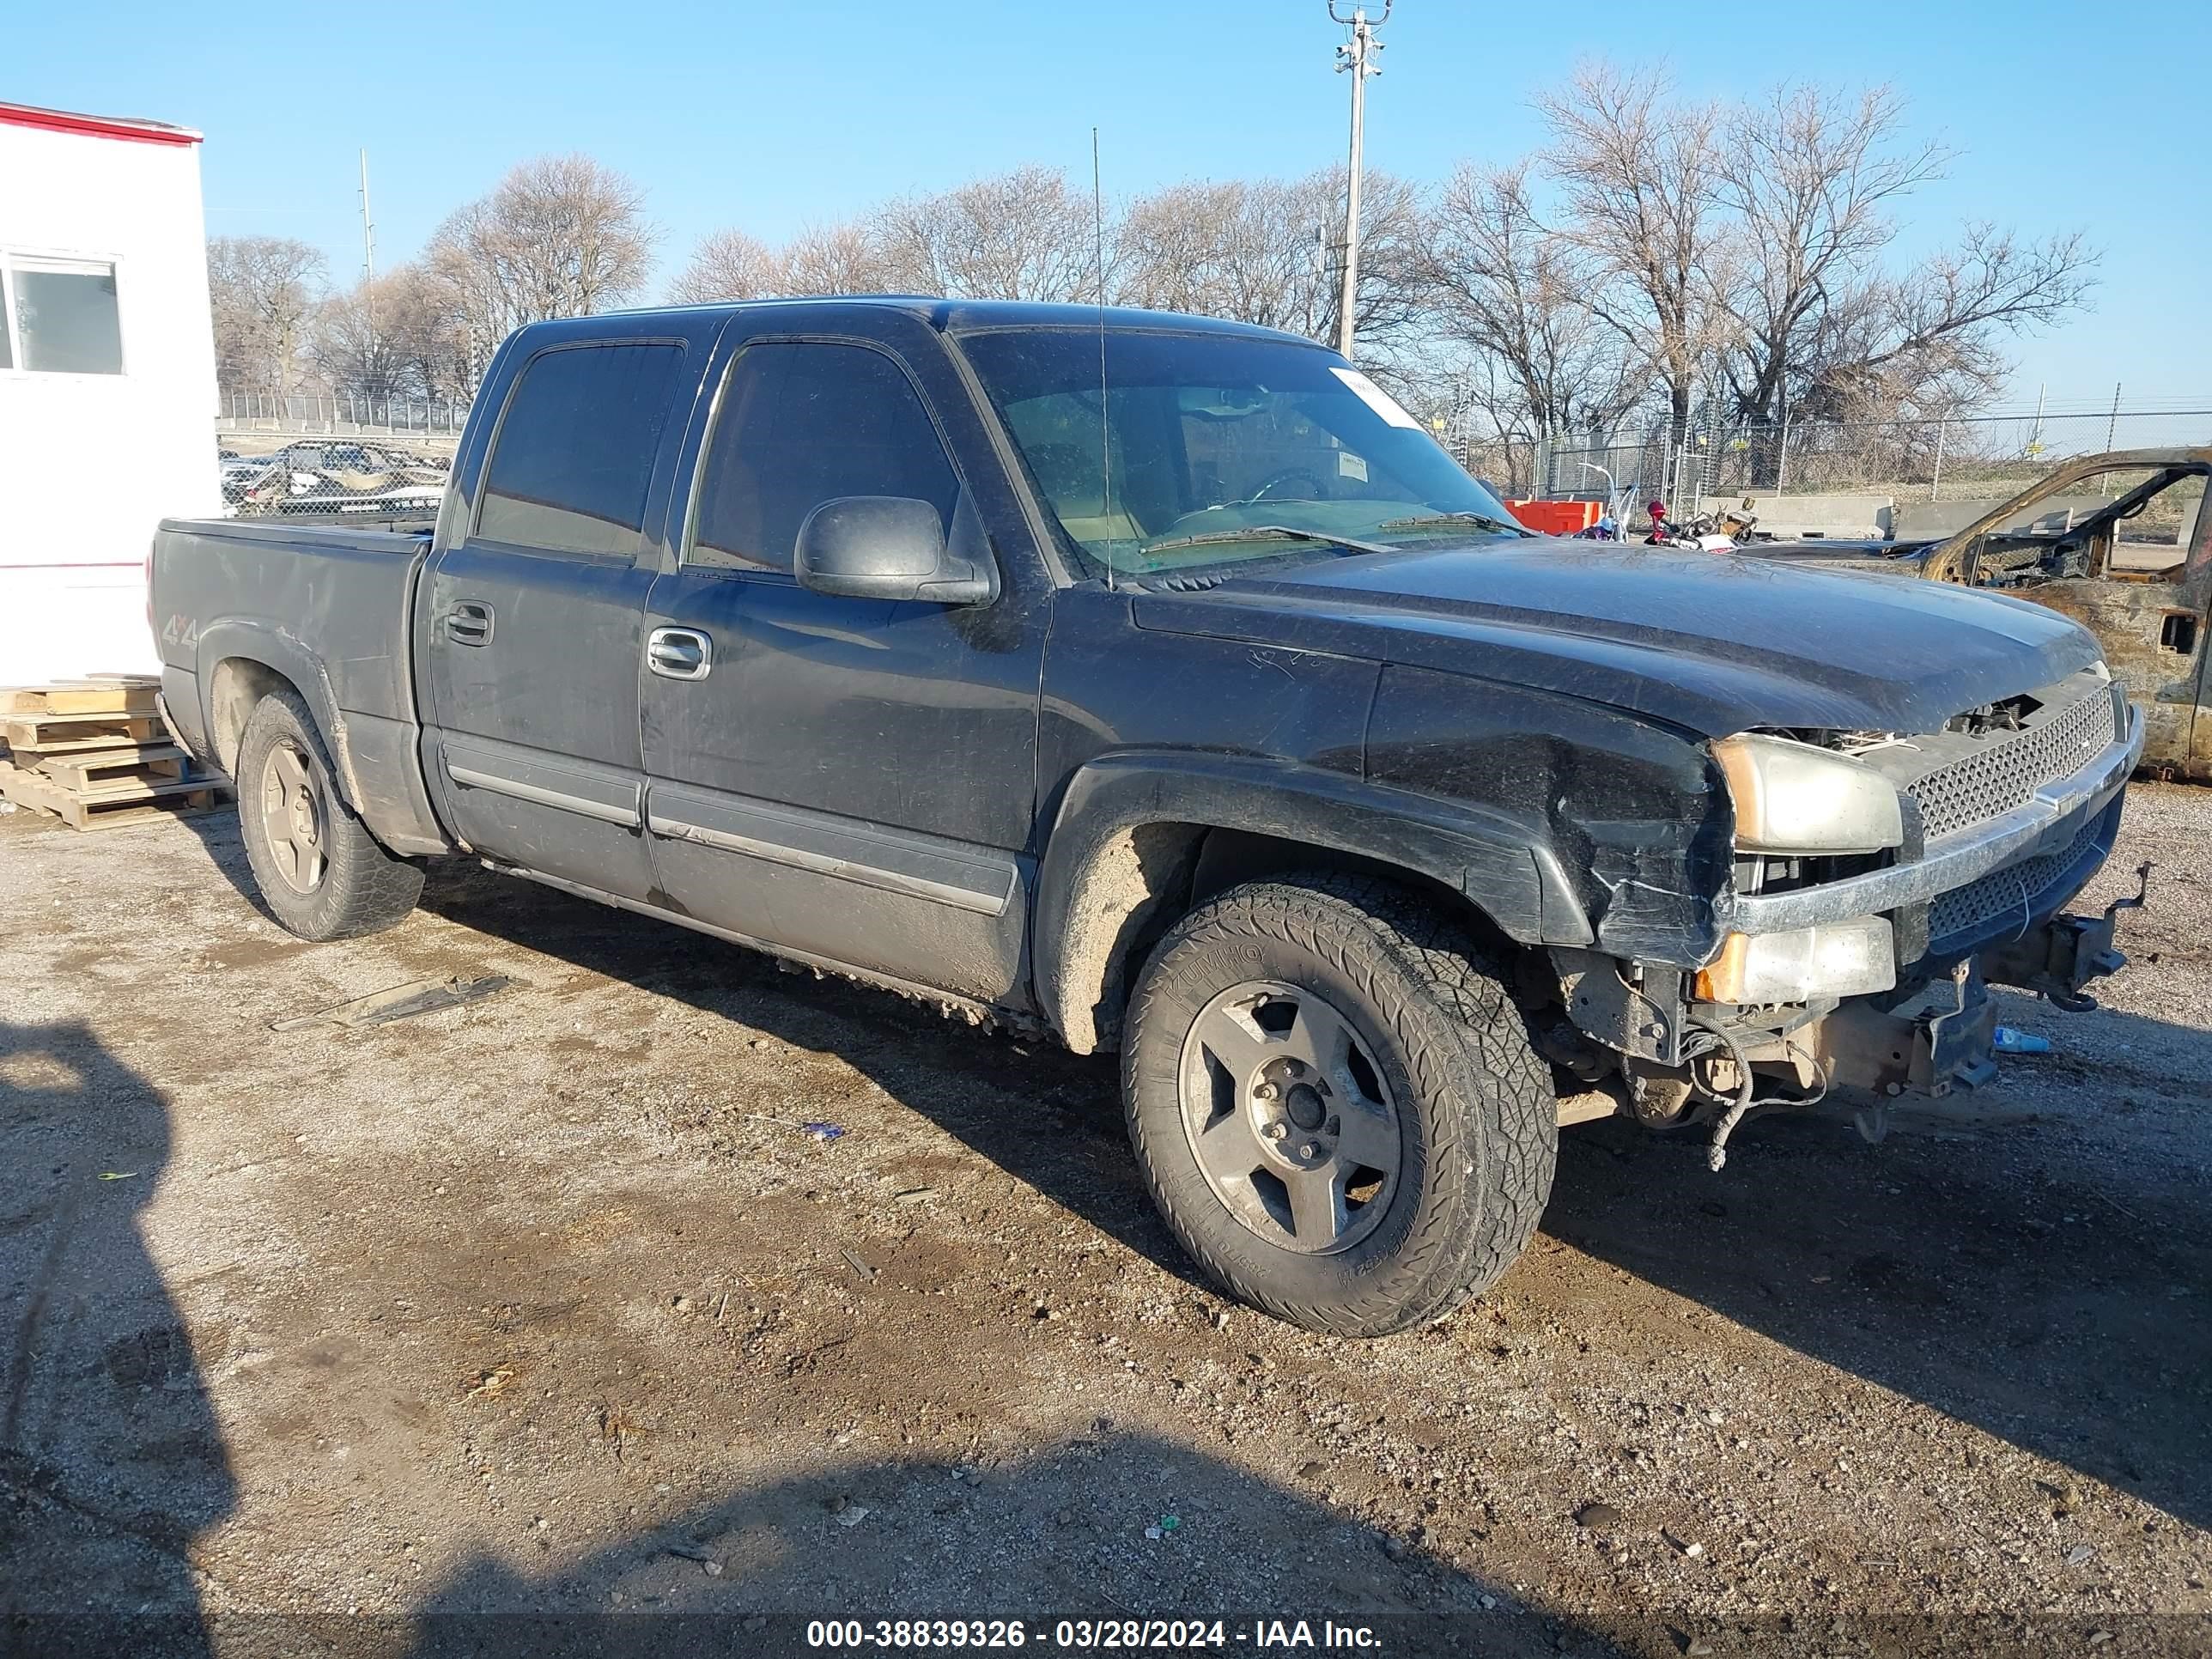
[{"x": 769, "y": 118}]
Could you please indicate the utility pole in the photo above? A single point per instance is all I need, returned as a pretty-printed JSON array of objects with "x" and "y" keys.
[
  {"x": 368, "y": 250},
  {"x": 367, "y": 257},
  {"x": 1355, "y": 55},
  {"x": 367, "y": 230}
]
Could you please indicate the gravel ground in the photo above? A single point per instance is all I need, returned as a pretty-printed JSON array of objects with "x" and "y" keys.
[{"x": 384, "y": 1341}]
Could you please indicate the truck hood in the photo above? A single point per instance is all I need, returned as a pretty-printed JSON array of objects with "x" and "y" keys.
[{"x": 1713, "y": 644}]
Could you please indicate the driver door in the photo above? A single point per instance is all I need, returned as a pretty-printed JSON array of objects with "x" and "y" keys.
[{"x": 850, "y": 779}]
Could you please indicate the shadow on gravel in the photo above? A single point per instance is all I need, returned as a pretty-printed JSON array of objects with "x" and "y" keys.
[
  {"x": 1991, "y": 1274},
  {"x": 111, "y": 1460},
  {"x": 1061, "y": 1535},
  {"x": 217, "y": 831},
  {"x": 1042, "y": 1114},
  {"x": 2016, "y": 1275}
]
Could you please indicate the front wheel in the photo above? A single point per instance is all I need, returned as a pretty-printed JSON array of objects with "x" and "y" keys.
[
  {"x": 321, "y": 873},
  {"x": 1336, "y": 1103}
]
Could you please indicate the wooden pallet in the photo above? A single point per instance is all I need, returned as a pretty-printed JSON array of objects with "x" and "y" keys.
[
  {"x": 119, "y": 768},
  {"x": 103, "y": 809},
  {"x": 122, "y": 696},
  {"x": 68, "y": 734}
]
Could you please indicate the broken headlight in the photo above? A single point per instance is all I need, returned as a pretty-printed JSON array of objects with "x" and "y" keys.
[
  {"x": 1841, "y": 959},
  {"x": 1793, "y": 796}
]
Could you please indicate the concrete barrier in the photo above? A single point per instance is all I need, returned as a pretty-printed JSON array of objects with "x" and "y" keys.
[
  {"x": 1846, "y": 518},
  {"x": 1931, "y": 521}
]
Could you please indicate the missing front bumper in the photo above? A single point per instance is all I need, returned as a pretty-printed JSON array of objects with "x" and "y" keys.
[
  {"x": 2058, "y": 959},
  {"x": 1939, "y": 1037}
]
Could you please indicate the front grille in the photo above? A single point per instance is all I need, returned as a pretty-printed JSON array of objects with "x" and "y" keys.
[
  {"x": 2008, "y": 774},
  {"x": 2017, "y": 892}
]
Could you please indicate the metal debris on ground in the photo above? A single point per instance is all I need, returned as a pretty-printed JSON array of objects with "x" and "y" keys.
[
  {"x": 490, "y": 1384},
  {"x": 858, "y": 1265},
  {"x": 421, "y": 996},
  {"x": 690, "y": 1552},
  {"x": 825, "y": 1132}
]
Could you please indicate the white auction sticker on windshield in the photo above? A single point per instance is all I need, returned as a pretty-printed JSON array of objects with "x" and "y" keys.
[{"x": 1375, "y": 397}]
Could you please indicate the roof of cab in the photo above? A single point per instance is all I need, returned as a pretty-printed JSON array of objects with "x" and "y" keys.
[{"x": 972, "y": 316}]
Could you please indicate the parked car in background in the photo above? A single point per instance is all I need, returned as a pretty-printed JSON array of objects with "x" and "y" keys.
[
  {"x": 342, "y": 477},
  {"x": 1161, "y": 685}
]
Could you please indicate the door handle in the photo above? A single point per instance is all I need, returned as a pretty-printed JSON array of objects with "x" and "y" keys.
[
  {"x": 469, "y": 624},
  {"x": 679, "y": 653}
]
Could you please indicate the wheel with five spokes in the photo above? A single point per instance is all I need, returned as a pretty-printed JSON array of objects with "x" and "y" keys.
[
  {"x": 1336, "y": 1103},
  {"x": 321, "y": 873}
]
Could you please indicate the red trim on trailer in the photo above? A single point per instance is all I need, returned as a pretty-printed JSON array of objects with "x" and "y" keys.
[{"x": 96, "y": 126}]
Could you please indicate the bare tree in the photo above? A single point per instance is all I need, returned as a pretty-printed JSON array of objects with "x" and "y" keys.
[
  {"x": 845, "y": 259},
  {"x": 262, "y": 290},
  {"x": 1019, "y": 235},
  {"x": 392, "y": 337},
  {"x": 1270, "y": 250},
  {"x": 1515, "y": 296},
  {"x": 1810, "y": 178},
  {"x": 1639, "y": 173},
  {"x": 1932, "y": 338},
  {"x": 824, "y": 259},
  {"x": 563, "y": 236},
  {"x": 728, "y": 265},
  {"x": 1236, "y": 249}
]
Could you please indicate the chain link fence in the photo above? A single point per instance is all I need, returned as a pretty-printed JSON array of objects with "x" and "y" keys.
[
  {"x": 341, "y": 412},
  {"x": 1975, "y": 458}
]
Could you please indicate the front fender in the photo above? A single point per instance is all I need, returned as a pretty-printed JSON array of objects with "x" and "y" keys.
[{"x": 1499, "y": 863}]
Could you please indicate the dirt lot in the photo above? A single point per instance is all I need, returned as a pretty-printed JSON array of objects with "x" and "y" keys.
[{"x": 378, "y": 1342}]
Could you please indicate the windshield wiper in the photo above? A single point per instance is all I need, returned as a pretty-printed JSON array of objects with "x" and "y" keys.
[
  {"x": 1264, "y": 532},
  {"x": 1453, "y": 521}
]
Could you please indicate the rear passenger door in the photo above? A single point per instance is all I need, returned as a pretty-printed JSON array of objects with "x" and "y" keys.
[
  {"x": 533, "y": 638},
  {"x": 849, "y": 778}
]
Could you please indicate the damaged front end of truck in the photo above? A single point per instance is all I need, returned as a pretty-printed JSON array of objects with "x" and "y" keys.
[{"x": 1877, "y": 885}]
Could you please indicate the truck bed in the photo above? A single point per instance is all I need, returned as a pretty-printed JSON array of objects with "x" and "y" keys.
[{"x": 336, "y": 605}]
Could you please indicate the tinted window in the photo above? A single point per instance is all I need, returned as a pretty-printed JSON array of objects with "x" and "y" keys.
[
  {"x": 803, "y": 424},
  {"x": 574, "y": 453}
]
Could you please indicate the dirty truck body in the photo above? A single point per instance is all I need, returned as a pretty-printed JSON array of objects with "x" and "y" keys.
[{"x": 1218, "y": 719}]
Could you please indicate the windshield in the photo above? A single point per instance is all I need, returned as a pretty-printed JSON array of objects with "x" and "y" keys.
[{"x": 1225, "y": 449}]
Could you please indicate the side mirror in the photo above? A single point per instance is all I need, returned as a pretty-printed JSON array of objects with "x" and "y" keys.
[{"x": 891, "y": 547}]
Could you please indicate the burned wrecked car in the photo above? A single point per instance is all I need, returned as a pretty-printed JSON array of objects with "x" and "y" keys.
[{"x": 2119, "y": 542}]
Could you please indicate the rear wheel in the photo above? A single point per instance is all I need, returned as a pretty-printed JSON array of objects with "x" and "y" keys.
[
  {"x": 1336, "y": 1103},
  {"x": 321, "y": 873}
]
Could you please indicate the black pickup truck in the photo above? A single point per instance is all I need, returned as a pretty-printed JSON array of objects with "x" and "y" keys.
[{"x": 1160, "y": 684}]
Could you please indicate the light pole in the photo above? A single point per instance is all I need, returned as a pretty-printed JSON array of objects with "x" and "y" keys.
[
  {"x": 1592, "y": 466},
  {"x": 1356, "y": 55}
]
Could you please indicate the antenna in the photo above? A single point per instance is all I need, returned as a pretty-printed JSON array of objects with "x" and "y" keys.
[{"x": 1105, "y": 422}]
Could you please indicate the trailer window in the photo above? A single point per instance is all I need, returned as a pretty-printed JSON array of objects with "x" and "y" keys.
[
  {"x": 62, "y": 316},
  {"x": 573, "y": 455}
]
